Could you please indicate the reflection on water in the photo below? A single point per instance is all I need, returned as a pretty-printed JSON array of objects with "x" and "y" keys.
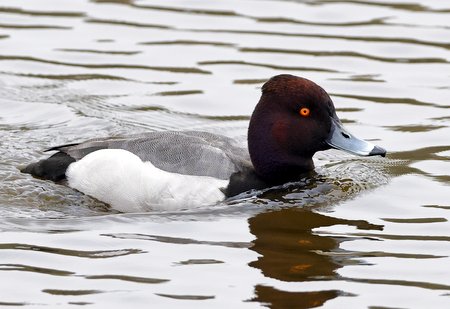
[
  {"x": 290, "y": 251},
  {"x": 283, "y": 299},
  {"x": 356, "y": 233},
  {"x": 299, "y": 254}
]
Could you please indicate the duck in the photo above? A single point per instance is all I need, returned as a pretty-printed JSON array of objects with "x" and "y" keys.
[{"x": 173, "y": 170}]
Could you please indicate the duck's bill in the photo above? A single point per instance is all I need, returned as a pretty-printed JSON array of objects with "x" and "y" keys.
[{"x": 340, "y": 138}]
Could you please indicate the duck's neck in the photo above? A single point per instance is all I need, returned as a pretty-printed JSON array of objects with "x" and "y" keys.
[{"x": 272, "y": 159}]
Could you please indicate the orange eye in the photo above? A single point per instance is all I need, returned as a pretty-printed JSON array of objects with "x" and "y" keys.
[{"x": 304, "y": 111}]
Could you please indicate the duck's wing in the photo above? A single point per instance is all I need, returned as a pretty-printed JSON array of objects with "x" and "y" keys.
[{"x": 188, "y": 152}]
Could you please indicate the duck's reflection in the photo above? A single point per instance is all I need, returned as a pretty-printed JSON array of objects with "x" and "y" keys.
[
  {"x": 290, "y": 251},
  {"x": 282, "y": 299}
]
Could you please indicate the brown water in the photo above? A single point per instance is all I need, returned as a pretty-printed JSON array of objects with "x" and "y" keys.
[{"x": 360, "y": 233}]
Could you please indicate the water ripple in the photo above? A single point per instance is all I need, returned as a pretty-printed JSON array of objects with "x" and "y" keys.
[
  {"x": 188, "y": 42},
  {"x": 106, "y": 66},
  {"x": 349, "y": 54},
  {"x": 177, "y": 240},
  {"x": 380, "y": 39},
  {"x": 415, "y": 220},
  {"x": 186, "y": 297},
  {"x": 264, "y": 65},
  {"x": 36, "y": 27},
  {"x": 35, "y": 269},
  {"x": 418, "y": 284},
  {"x": 370, "y": 22},
  {"x": 68, "y": 252},
  {"x": 376, "y": 236},
  {"x": 21, "y": 11},
  {"x": 409, "y": 101},
  {"x": 71, "y": 77},
  {"x": 128, "y": 278},
  {"x": 125, "y": 23},
  {"x": 107, "y": 52},
  {"x": 412, "y": 7},
  {"x": 173, "y": 9},
  {"x": 71, "y": 292}
]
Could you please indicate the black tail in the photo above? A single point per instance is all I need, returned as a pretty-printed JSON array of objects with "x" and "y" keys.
[{"x": 53, "y": 168}]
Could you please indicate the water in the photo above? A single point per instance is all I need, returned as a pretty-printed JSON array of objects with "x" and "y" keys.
[{"x": 359, "y": 233}]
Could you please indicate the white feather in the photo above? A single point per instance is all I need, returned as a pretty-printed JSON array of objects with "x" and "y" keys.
[{"x": 124, "y": 181}]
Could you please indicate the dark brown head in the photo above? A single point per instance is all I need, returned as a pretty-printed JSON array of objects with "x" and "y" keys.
[{"x": 294, "y": 119}]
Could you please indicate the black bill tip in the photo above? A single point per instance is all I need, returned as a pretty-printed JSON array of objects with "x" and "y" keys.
[{"x": 377, "y": 151}]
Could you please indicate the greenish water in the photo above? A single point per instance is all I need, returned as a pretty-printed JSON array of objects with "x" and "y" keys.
[{"x": 360, "y": 233}]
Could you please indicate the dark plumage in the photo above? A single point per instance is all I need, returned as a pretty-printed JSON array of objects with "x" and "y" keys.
[{"x": 294, "y": 119}]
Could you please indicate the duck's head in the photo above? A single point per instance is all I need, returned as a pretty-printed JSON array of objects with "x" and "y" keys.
[{"x": 294, "y": 119}]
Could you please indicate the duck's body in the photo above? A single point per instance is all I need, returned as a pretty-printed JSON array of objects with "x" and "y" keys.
[
  {"x": 156, "y": 170},
  {"x": 120, "y": 178},
  {"x": 166, "y": 170}
]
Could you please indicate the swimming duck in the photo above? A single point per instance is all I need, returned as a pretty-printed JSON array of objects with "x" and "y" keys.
[{"x": 293, "y": 119}]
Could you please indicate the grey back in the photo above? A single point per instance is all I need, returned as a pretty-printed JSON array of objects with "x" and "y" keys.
[{"x": 184, "y": 152}]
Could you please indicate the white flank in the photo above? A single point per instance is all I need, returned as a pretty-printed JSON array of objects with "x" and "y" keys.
[{"x": 124, "y": 181}]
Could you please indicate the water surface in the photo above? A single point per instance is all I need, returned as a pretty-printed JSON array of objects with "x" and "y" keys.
[{"x": 356, "y": 233}]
